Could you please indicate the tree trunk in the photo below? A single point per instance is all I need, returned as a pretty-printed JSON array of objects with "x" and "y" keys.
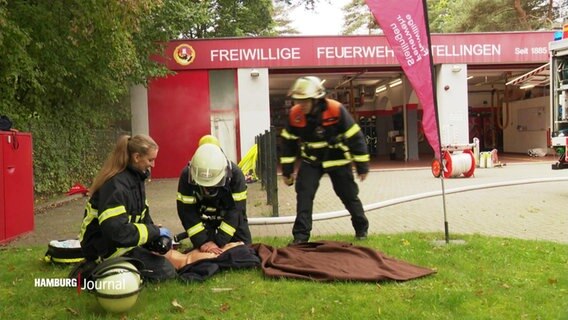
[
  {"x": 522, "y": 15},
  {"x": 550, "y": 12}
]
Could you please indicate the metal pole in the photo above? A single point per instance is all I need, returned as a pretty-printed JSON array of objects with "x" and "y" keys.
[
  {"x": 269, "y": 168},
  {"x": 273, "y": 173},
  {"x": 433, "y": 80}
]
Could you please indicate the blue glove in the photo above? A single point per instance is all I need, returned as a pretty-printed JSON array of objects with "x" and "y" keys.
[{"x": 165, "y": 232}]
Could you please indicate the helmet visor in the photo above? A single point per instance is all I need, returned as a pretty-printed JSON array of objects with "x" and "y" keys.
[{"x": 208, "y": 177}]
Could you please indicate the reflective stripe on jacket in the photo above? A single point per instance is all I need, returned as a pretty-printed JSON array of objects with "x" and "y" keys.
[
  {"x": 117, "y": 217},
  {"x": 330, "y": 138},
  {"x": 212, "y": 219}
]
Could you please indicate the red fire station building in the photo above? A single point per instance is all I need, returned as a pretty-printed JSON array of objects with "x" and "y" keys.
[{"x": 236, "y": 89}]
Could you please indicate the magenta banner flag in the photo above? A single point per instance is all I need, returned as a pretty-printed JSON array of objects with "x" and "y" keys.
[{"x": 404, "y": 23}]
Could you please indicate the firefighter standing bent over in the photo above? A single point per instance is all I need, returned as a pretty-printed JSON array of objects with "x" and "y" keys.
[
  {"x": 211, "y": 200},
  {"x": 323, "y": 133}
]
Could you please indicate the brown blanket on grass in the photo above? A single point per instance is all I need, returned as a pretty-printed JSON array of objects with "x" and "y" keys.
[{"x": 331, "y": 260}]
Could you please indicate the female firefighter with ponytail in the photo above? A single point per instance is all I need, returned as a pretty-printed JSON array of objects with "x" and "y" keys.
[{"x": 117, "y": 219}]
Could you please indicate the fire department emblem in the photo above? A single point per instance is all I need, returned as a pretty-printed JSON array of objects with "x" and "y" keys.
[{"x": 184, "y": 54}]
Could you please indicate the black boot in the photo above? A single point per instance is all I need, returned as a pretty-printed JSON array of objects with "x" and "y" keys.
[{"x": 361, "y": 235}]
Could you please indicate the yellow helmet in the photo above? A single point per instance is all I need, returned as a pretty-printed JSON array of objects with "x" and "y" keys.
[
  {"x": 117, "y": 285},
  {"x": 208, "y": 166},
  {"x": 209, "y": 139},
  {"x": 309, "y": 87}
]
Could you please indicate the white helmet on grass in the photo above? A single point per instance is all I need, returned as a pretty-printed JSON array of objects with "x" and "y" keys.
[{"x": 117, "y": 285}]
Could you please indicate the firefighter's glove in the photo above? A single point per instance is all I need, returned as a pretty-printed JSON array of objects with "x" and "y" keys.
[
  {"x": 165, "y": 232},
  {"x": 163, "y": 243},
  {"x": 160, "y": 245},
  {"x": 289, "y": 181}
]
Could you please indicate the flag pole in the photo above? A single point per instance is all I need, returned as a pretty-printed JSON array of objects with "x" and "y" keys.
[
  {"x": 405, "y": 33},
  {"x": 435, "y": 95}
]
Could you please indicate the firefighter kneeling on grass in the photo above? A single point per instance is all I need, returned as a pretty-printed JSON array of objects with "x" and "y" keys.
[
  {"x": 327, "y": 139},
  {"x": 211, "y": 199}
]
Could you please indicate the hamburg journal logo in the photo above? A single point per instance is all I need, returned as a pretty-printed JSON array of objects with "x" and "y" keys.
[
  {"x": 79, "y": 283},
  {"x": 184, "y": 54}
]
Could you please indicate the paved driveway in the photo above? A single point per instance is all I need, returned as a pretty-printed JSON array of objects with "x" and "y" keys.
[{"x": 531, "y": 205}]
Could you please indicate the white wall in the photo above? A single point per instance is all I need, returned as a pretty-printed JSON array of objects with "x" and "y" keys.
[
  {"x": 224, "y": 129},
  {"x": 139, "y": 109},
  {"x": 479, "y": 97},
  {"x": 527, "y": 124},
  {"x": 254, "y": 106},
  {"x": 451, "y": 90}
]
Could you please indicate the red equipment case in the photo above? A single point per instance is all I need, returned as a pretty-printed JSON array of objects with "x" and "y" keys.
[{"x": 16, "y": 185}]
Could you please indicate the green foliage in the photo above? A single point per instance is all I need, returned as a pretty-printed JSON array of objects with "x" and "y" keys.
[
  {"x": 64, "y": 77},
  {"x": 358, "y": 18},
  {"x": 174, "y": 19},
  {"x": 231, "y": 18},
  {"x": 492, "y": 15},
  {"x": 281, "y": 20},
  {"x": 308, "y": 4},
  {"x": 67, "y": 67},
  {"x": 469, "y": 15},
  {"x": 485, "y": 278}
]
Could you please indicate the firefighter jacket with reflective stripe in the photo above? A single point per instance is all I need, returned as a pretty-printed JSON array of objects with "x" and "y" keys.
[
  {"x": 327, "y": 136},
  {"x": 214, "y": 218},
  {"x": 117, "y": 217}
]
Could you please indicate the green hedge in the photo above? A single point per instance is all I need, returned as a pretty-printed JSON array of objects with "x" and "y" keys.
[{"x": 66, "y": 148}]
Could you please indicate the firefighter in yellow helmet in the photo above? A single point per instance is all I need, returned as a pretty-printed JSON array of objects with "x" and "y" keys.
[
  {"x": 209, "y": 139},
  {"x": 211, "y": 200},
  {"x": 322, "y": 133}
]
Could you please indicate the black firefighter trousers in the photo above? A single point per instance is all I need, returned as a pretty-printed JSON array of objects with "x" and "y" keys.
[{"x": 345, "y": 187}]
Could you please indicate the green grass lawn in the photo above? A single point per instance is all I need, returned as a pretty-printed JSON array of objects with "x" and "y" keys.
[{"x": 485, "y": 278}]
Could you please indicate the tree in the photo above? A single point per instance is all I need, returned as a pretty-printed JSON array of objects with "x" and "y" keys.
[
  {"x": 469, "y": 15},
  {"x": 358, "y": 19},
  {"x": 492, "y": 15},
  {"x": 218, "y": 18},
  {"x": 282, "y": 21},
  {"x": 67, "y": 67},
  {"x": 308, "y": 4}
]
